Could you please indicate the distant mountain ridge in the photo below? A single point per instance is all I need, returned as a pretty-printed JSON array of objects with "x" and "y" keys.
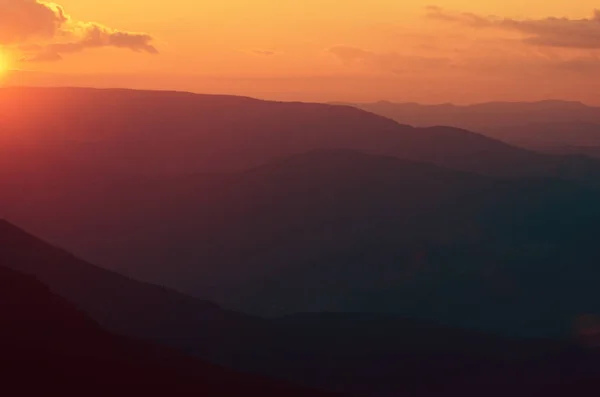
[
  {"x": 148, "y": 132},
  {"x": 481, "y": 115},
  {"x": 542, "y": 126}
]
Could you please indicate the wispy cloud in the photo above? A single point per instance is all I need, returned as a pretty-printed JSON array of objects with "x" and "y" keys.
[
  {"x": 389, "y": 61},
  {"x": 43, "y": 31},
  {"x": 548, "y": 32},
  {"x": 265, "y": 53},
  {"x": 491, "y": 58}
]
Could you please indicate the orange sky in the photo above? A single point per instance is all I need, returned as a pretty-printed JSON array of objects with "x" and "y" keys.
[{"x": 358, "y": 50}]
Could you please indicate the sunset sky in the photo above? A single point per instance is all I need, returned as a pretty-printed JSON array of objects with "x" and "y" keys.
[{"x": 349, "y": 50}]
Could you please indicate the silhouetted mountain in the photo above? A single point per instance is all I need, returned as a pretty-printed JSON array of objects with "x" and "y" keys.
[
  {"x": 574, "y": 138},
  {"x": 121, "y": 304},
  {"x": 49, "y": 347},
  {"x": 344, "y": 231},
  {"x": 540, "y": 126},
  {"x": 590, "y": 151},
  {"x": 548, "y": 135},
  {"x": 429, "y": 359},
  {"x": 72, "y": 160},
  {"x": 126, "y": 131},
  {"x": 481, "y": 117},
  {"x": 43, "y": 337}
]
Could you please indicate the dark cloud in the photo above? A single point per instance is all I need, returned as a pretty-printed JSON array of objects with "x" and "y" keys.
[
  {"x": 43, "y": 31},
  {"x": 549, "y": 32},
  {"x": 22, "y": 20}
]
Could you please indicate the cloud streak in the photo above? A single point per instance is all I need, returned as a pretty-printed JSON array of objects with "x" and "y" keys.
[
  {"x": 265, "y": 53},
  {"x": 496, "y": 61},
  {"x": 390, "y": 61},
  {"x": 44, "y": 32},
  {"x": 546, "y": 32}
]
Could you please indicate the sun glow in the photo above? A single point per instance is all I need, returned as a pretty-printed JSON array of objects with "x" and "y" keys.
[{"x": 4, "y": 63}]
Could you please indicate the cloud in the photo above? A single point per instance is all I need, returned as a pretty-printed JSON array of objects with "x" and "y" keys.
[
  {"x": 21, "y": 20},
  {"x": 389, "y": 61},
  {"x": 581, "y": 65},
  {"x": 266, "y": 53},
  {"x": 43, "y": 31},
  {"x": 546, "y": 32},
  {"x": 493, "y": 59},
  {"x": 531, "y": 66},
  {"x": 42, "y": 56},
  {"x": 351, "y": 54}
]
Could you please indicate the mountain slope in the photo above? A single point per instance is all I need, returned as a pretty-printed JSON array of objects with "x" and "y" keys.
[
  {"x": 44, "y": 337},
  {"x": 344, "y": 231},
  {"x": 480, "y": 117},
  {"x": 548, "y": 135},
  {"x": 538, "y": 126},
  {"x": 125, "y": 131},
  {"x": 117, "y": 302},
  {"x": 50, "y": 347},
  {"x": 71, "y": 174}
]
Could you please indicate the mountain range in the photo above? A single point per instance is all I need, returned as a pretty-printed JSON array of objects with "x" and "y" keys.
[
  {"x": 50, "y": 346},
  {"x": 144, "y": 132},
  {"x": 546, "y": 126},
  {"x": 51, "y": 338},
  {"x": 277, "y": 208}
]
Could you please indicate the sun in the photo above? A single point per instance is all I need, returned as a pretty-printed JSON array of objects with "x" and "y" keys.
[{"x": 4, "y": 63}]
